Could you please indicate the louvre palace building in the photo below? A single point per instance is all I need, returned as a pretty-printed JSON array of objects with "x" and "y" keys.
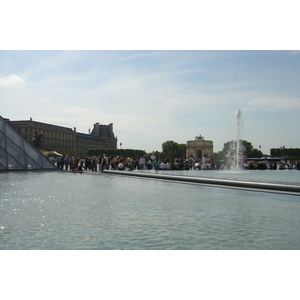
[{"x": 48, "y": 137}]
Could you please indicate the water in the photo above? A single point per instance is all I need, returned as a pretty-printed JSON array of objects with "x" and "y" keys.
[
  {"x": 62, "y": 210},
  {"x": 239, "y": 126},
  {"x": 235, "y": 152}
]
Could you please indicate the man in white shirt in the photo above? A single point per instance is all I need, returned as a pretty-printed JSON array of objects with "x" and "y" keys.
[
  {"x": 142, "y": 163},
  {"x": 162, "y": 166}
]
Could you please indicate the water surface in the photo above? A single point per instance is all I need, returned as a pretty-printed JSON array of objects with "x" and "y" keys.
[{"x": 62, "y": 210}]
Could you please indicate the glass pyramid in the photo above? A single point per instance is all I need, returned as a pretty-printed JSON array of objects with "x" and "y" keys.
[{"x": 16, "y": 153}]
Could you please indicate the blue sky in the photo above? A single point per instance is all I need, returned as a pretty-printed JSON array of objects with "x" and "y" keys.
[{"x": 155, "y": 96}]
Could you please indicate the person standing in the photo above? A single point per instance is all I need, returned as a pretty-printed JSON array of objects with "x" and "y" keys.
[
  {"x": 113, "y": 163},
  {"x": 211, "y": 161},
  {"x": 66, "y": 162},
  {"x": 142, "y": 163},
  {"x": 94, "y": 164},
  {"x": 105, "y": 162},
  {"x": 156, "y": 164},
  {"x": 62, "y": 163},
  {"x": 87, "y": 163},
  {"x": 58, "y": 162}
]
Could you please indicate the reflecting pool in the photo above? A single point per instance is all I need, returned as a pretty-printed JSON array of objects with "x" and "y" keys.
[{"x": 64, "y": 210}]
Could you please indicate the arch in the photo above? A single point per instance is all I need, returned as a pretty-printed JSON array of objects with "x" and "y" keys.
[
  {"x": 199, "y": 154},
  {"x": 198, "y": 148}
]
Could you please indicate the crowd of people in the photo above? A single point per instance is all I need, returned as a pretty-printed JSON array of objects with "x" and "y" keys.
[
  {"x": 106, "y": 162},
  {"x": 265, "y": 165}
]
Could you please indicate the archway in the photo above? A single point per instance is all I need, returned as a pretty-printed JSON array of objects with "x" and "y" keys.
[
  {"x": 199, "y": 154},
  {"x": 199, "y": 147}
]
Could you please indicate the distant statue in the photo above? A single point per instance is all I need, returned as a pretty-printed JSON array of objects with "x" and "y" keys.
[
  {"x": 38, "y": 139},
  {"x": 199, "y": 137}
]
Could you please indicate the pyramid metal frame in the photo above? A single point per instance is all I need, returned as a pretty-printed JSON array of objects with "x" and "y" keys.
[{"x": 17, "y": 154}]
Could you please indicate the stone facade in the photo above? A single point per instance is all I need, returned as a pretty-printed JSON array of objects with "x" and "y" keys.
[
  {"x": 66, "y": 140},
  {"x": 199, "y": 147}
]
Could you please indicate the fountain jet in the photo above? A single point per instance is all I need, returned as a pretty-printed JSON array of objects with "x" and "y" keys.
[{"x": 239, "y": 127}]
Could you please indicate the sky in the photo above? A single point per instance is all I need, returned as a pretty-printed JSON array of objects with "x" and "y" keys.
[
  {"x": 171, "y": 73},
  {"x": 158, "y": 95}
]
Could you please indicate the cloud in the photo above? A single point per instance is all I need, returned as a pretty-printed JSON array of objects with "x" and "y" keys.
[
  {"x": 126, "y": 122},
  {"x": 12, "y": 81},
  {"x": 134, "y": 56},
  {"x": 273, "y": 104}
]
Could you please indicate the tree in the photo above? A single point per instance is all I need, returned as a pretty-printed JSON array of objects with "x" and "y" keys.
[
  {"x": 182, "y": 150},
  {"x": 286, "y": 153},
  {"x": 246, "y": 149},
  {"x": 170, "y": 149},
  {"x": 114, "y": 152}
]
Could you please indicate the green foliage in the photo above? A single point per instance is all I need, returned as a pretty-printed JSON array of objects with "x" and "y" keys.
[
  {"x": 131, "y": 153},
  {"x": 114, "y": 152},
  {"x": 286, "y": 153},
  {"x": 156, "y": 154},
  {"x": 247, "y": 149},
  {"x": 182, "y": 150},
  {"x": 173, "y": 150},
  {"x": 99, "y": 152}
]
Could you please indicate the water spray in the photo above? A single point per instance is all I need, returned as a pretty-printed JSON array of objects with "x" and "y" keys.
[{"x": 239, "y": 126}]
